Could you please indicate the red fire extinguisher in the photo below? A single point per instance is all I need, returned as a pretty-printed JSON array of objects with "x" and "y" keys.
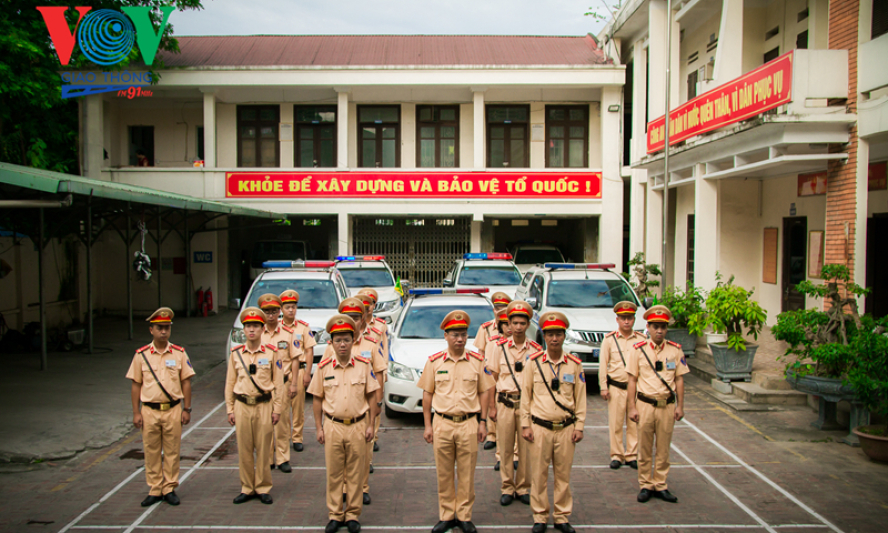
[
  {"x": 208, "y": 298},
  {"x": 200, "y": 300}
]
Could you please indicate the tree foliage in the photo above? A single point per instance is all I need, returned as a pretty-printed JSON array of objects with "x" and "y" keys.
[
  {"x": 730, "y": 309},
  {"x": 640, "y": 276},
  {"x": 686, "y": 306}
]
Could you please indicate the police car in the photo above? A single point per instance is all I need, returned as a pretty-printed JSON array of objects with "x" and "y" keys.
[
  {"x": 372, "y": 271},
  {"x": 417, "y": 335},
  {"x": 493, "y": 270},
  {"x": 586, "y": 293},
  {"x": 320, "y": 287},
  {"x": 529, "y": 255}
]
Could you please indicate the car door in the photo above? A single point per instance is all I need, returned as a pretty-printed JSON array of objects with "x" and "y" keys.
[{"x": 535, "y": 290}]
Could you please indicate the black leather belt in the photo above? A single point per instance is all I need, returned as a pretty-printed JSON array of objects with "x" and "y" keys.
[
  {"x": 512, "y": 401},
  {"x": 162, "y": 406},
  {"x": 618, "y": 384},
  {"x": 460, "y": 418},
  {"x": 302, "y": 365},
  {"x": 553, "y": 425},
  {"x": 656, "y": 403},
  {"x": 346, "y": 421},
  {"x": 253, "y": 400}
]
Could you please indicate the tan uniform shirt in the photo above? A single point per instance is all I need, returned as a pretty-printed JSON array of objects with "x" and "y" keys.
[
  {"x": 172, "y": 366},
  {"x": 366, "y": 347},
  {"x": 269, "y": 375},
  {"x": 497, "y": 362},
  {"x": 344, "y": 389},
  {"x": 609, "y": 361},
  {"x": 380, "y": 329},
  {"x": 303, "y": 340},
  {"x": 487, "y": 330},
  {"x": 456, "y": 382},
  {"x": 282, "y": 339},
  {"x": 674, "y": 365},
  {"x": 536, "y": 400}
]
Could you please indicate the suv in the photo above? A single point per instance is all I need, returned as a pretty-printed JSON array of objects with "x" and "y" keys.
[
  {"x": 372, "y": 271},
  {"x": 493, "y": 270},
  {"x": 530, "y": 255},
  {"x": 320, "y": 288},
  {"x": 586, "y": 294},
  {"x": 417, "y": 335},
  {"x": 276, "y": 251}
]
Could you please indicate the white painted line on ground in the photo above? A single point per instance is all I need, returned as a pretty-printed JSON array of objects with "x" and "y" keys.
[
  {"x": 432, "y": 467},
  {"x": 481, "y": 527},
  {"x": 214, "y": 428},
  {"x": 767, "y": 480},
  {"x": 129, "y": 478}
]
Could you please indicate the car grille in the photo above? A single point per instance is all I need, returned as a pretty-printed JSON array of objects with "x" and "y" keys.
[{"x": 592, "y": 336}]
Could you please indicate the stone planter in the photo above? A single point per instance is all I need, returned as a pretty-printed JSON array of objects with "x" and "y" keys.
[
  {"x": 831, "y": 391},
  {"x": 731, "y": 364},
  {"x": 681, "y": 336},
  {"x": 875, "y": 447}
]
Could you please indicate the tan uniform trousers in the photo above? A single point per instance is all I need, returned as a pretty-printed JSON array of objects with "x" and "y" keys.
[
  {"x": 455, "y": 443},
  {"x": 162, "y": 431},
  {"x": 282, "y": 429},
  {"x": 491, "y": 436},
  {"x": 297, "y": 406},
  {"x": 254, "y": 432},
  {"x": 556, "y": 448},
  {"x": 616, "y": 417},
  {"x": 509, "y": 429},
  {"x": 654, "y": 421},
  {"x": 345, "y": 452}
]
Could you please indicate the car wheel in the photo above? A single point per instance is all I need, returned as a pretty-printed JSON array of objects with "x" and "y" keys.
[{"x": 391, "y": 413}]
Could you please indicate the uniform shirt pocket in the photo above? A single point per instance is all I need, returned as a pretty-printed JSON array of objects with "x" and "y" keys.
[{"x": 470, "y": 383}]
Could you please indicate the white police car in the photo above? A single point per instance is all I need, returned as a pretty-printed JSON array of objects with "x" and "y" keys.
[
  {"x": 493, "y": 270},
  {"x": 586, "y": 293},
  {"x": 372, "y": 271},
  {"x": 417, "y": 335}
]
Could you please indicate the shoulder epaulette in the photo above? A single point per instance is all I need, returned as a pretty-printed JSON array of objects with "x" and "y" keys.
[
  {"x": 362, "y": 359},
  {"x": 535, "y": 345},
  {"x": 287, "y": 328},
  {"x": 324, "y": 362},
  {"x": 539, "y": 353},
  {"x": 573, "y": 358},
  {"x": 436, "y": 356},
  {"x": 375, "y": 330},
  {"x": 639, "y": 344},
  {"x": 382, "y": 320},
  {"x": 476, "y": 355},
  {"x": 495, "y": 338},
  {"x": 303, "y": 322},
  {"x": 371, "y": 339},
  {"x": 611, "y": 334},
  {"x": 272, "y": 347},
  {"x": 238, "y": 347},
  {"x": 484, "y": 325},
  {"x": 502, "y": 341},
  {"x": 677, "y": 345},
  {"x": 143, "y": 348}
]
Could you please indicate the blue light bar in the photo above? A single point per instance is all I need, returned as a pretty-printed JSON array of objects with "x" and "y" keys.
[
  {"x": 419, "y": 292},
  {"x": 494, "y": 255},
  {"x": 298, "y": 264},
  {"x": 360, "y": 258},
  {"x": 579, "y": 266}
]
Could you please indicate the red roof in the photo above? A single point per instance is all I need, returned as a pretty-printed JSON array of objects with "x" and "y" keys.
[{"x": 384, "y": 50}]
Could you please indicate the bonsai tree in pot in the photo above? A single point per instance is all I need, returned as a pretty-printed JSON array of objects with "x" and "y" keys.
[
  {"x": 731, "y": 310},
  {"x": 688, "y": 315},
  {"x": 868, "y": 376},
  {"x": 639, "y": 279}
]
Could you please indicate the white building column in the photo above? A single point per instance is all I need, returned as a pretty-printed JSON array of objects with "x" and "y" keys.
[
  {"x": 475, "y": 243},
  {"x": 209, "y": 126},
  {"x": 92, "y": 125},
  {"x": 479, "y": 138},
  {"x": 342, "y": 131},
  {"x": 729, "y": 54},
  {"x": 653, "y": 252},
  {"x": 706, "y": 231},
  {"x": 344, "y": 238},
  {"x": 610, "y": 233},
  {"x": 863, "y": 156},
  {"x": 288, "y": 154},
  {"x": 638, "y": 147}
]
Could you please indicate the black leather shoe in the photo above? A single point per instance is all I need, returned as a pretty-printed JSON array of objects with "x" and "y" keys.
[
  {"x": 285, "y": 467},
  {"x": 496, "y": 466},
  {"x": 371, "y": 468},
  {"x": 297, "y": 446},
  {"x": 375, "y": 446},
  {"x": 539, "y": 527},
  {"x": 633, "y": 464},
  {"x": 272, "y": 466},
  {"x": 266, "y": 499},
  {"x": 523, "y": 498},
  {"x": 333, "y": 526},
  {"x": 353, "y": 526},
  {"x": 489, "y": 445},
  {"x": 171, "y": 498},
  {"x": 241, "y": 498},
  {"x": 666, "y": 496},
  {"x": 468, "y": 527},
  {"x": 506, "y": 499},
  {"x": 367, "y": 499},
  {"x": 615, "y": 464},
  {"x": 644, "y": 495},
  {"x": 444, "y": 525},
  {"x": 150, "y": 500},
  {"x": 565, "y": 528}
]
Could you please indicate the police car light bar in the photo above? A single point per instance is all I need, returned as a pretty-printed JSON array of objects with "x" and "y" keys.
[
  {"x": 579, "y": 266},
  {"x": 417, "y": 292},
  {"x": 497, "y": 255},
  {"x": 360, "y": 258},
  {"x": 298, "y": 264}
]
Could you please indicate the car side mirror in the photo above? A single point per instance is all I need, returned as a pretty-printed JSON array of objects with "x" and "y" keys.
[
  {"x": 532, "y": 301},
  {"x": 448, "y": 282},
  {"x": 648, "y": 302}
]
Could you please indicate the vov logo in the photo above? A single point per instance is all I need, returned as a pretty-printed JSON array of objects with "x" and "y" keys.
[{"x": 105, "y": 36}]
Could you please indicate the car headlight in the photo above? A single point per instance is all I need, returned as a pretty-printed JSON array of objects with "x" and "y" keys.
[
  {"x": 573, "y": 336},
  {"x": 385, "y": 307},
  {"x": 399, "y": 371},
  {"x": 238, "y": 336},
  {"x": 324, "y": 337}
]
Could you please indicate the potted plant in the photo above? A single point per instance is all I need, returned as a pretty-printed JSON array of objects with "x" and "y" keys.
[
  {"x": 868, "y": 376},
  {"x": 640, "y": 277},
  {"x": 687, "y": 316},
  {"x": 731, "y": 310}
]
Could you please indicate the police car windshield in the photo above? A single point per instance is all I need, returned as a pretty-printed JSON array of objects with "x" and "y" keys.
[
  {"x": 588, "y": 293},
  {"x": 489, "y": 275},
  {"x": 533, "y": 257},
  {"x": 424, "y": 322},
  {"x": 367, "y": 277},
  {"x": 313, "y": 293}
]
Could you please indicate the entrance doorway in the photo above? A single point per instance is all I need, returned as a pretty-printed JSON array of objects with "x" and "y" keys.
[
  {"x": 795, "y": 252},
  {"x": 876, "y": 255}
]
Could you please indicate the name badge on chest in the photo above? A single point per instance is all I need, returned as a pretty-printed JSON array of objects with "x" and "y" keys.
[
  {"x": 170, "y": 363},
  {"x": 568, "y": 378},
  {"x": 365, "y": 354},
  {"x": 263, "y": 362},
  {"x": 670, "y": 365},
  {"x": 282, "y": 345}
]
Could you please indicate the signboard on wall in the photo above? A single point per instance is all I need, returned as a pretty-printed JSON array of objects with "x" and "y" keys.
[
  {"x": 753, "y": 93},
  {"x": 455, "y": 185},
  {"x": 878, "y": 176},
  {"x": 813, "y": 184}
]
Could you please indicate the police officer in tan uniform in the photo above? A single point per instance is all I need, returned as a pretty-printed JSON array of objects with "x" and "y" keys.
[
  {"x": 282, "y": 338},
  {"x": 553, "y": 416},
  {"x": 253, "y": 400},
  {"x": 161, "y": 375},
  {"x": 613, "y": 381},
  {"x": 304, "y": 343},
  {"x": 378, "y": 329},
  {"x": 456, "y": 383},
  {"x": 656, "y": 368},
  {"x": 345, "y": 389},
  {"x": 487, "y": 330},
  {"x": 507, "y": 362}
]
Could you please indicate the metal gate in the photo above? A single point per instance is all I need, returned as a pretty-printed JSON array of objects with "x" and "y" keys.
[{"x": 421, "y": 250}]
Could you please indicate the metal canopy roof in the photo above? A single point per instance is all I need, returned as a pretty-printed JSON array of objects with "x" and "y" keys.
[{"x": 56, "y": 182}]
